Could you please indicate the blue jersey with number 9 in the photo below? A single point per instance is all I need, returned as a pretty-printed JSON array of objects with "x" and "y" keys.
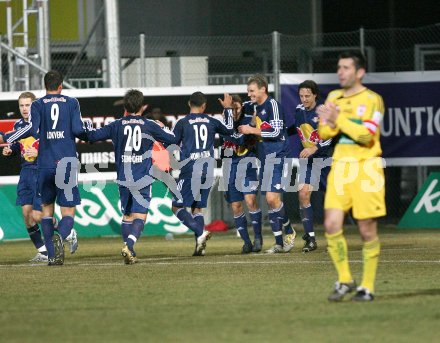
[{"x": 57, "y": 118}]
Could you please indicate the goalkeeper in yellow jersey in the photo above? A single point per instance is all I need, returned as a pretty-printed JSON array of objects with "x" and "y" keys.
[{"x": 351, "y": 116}]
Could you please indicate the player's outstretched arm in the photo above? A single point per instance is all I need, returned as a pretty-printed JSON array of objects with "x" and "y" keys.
[
  {"x": 178, "y": 131},
  {"x": 101, "y": 134},
  {"x": 162, "y": 135},
  {"x": 79, "y": 127},
  {"x": 226, "y": 128}
]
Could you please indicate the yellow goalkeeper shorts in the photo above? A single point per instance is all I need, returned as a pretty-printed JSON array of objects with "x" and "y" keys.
[{"x": 357, "y": 185}]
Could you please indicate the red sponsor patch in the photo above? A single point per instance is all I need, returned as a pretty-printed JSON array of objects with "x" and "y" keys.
[
  {"x": 36, "y": 144},
  {"x": 314, "y": 137},
  {"x": 265, "y": 126}
]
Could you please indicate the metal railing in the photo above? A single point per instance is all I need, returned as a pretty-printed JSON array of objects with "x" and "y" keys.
[{"x": 85, "y": 83}]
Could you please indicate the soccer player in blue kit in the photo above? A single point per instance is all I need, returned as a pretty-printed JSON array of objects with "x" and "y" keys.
[
  {"x": 133, "y": 137},
  {"x": 196, "y": 133},
  {"x": 27, "y": 195},
  {"x": 271, "y": 128},
  {"x": 314, "y": 163},
  {"x": 57, "y": 119},
  {"x": 240, "y": 175}
]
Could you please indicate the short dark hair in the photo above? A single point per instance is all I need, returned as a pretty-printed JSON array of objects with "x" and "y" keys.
[
  {"x": 310, "y": 84},
  {"x": 133, "y": 101},
  {"x": 197, "y": 99},
  {"x": 236, "y": 98},
  {"x": 260, "y": 80},
  {"x": 52, "y": 80},
  {"x": 27, "y": 95},
  {"x": 358, "y": 58}
]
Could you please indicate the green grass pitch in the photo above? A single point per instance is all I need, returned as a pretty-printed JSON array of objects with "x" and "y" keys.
[{"x": 223, "y": 297}]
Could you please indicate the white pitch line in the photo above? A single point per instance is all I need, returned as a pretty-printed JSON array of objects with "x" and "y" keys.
[{"x": 151, "y": 262}]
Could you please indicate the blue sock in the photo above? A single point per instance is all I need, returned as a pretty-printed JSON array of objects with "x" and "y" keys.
[
  {"x": 241, "y": 225},
  {"x": 65, "y": 226},
  {"x": 35, "y": 236},
  {"x": 284, "y": 219},
  {"x": 306, "y": 214},
  {"x": 200, "y": 220},
  {"x": 47, "y": 227},
  {"x": 136, "y": 229},
  {"x": 187, "y": 219},
  {"x": 125, "y": 230},
  {"x": 256, "y": 218},
  {"x": 275, "y": 224}
]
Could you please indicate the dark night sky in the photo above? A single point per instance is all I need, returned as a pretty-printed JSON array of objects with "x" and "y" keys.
[{"x": 349, "y": 15}]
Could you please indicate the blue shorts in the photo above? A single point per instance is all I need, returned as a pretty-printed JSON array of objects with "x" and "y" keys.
[
  {"x": 314, "y": 171},
  {"x": 27, "y": 189},
  {"x": 135, "y": 202},
  {"x": 243, "y": 179},
  {"x": 68, "y": 196},
  {"x": 194, "y": 192},
  {"x": 274, "y": 179}
]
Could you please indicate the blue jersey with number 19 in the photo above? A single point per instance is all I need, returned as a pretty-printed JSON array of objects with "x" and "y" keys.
[
  {"x": 196, "y": 133},
  {"x": 57, "y": 118}
]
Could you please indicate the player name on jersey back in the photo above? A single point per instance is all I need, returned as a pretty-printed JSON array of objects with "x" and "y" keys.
[
  {"x": 55, "y": 134},
  {"x": 131, "y": 158},
  {"x": 201, "y": 154}
]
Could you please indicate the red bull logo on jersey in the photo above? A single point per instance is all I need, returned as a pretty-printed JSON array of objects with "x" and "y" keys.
[
  {"x": 26, "y": 143},
  {"x": 308, "y": 136},
  {"x": 314, "y": 136}
]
